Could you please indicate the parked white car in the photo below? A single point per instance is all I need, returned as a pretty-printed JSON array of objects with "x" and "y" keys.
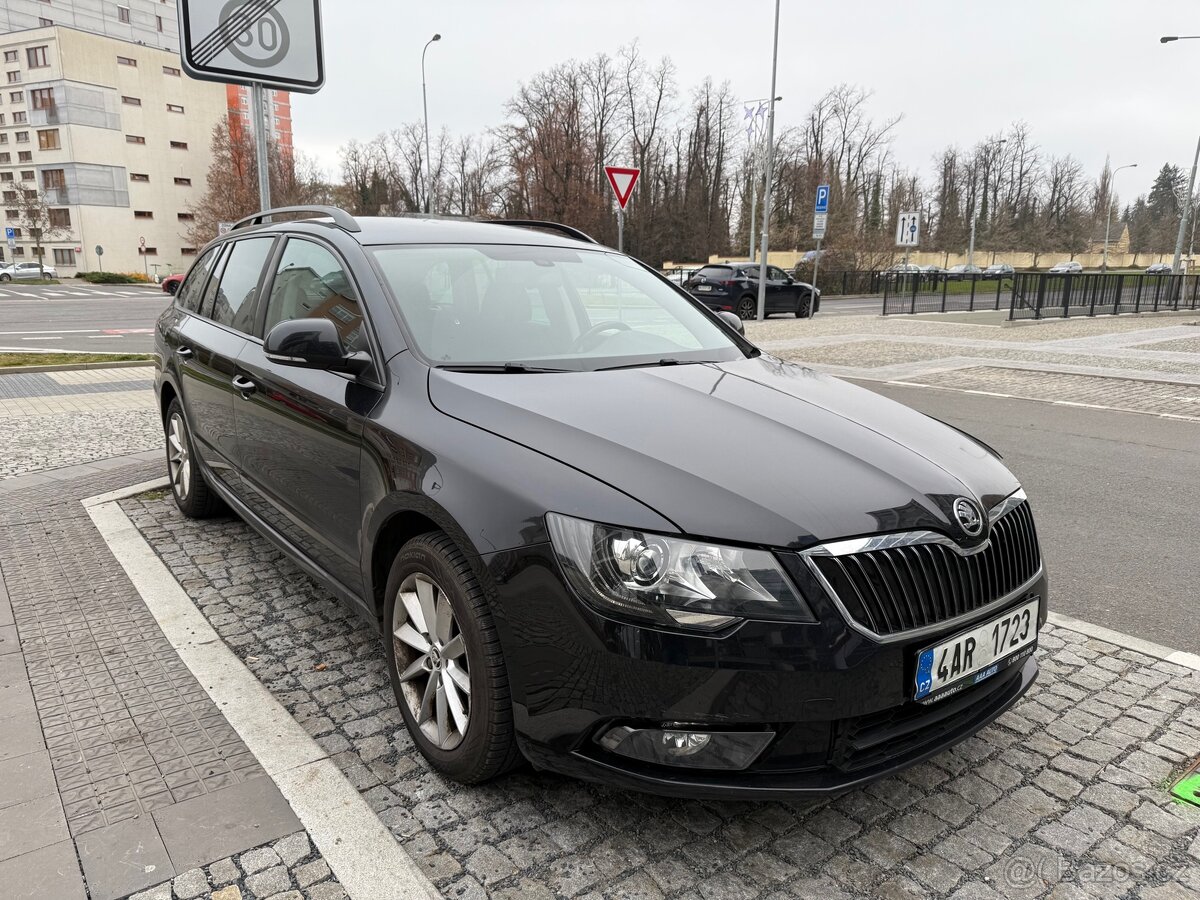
[
  {"x": 1066, "y": 268},
  {"x": 26, "y": 271}
]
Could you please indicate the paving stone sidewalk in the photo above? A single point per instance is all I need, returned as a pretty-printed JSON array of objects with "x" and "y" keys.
[
  {"x": 117, "y": 772},
  {"x": 1064, "y": 797}
]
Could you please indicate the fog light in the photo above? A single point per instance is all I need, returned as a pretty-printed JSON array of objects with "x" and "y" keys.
[
  {"x": 684, "y": 743},
  {"x": 675, "y": 746}
]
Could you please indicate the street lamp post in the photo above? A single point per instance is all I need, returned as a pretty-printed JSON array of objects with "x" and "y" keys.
[
  {"x": 1187, "y": 207},
  {"x": 428, "y": 155},
  {"x": 1108, "y": 225},
  {"x": 975, "y": 210},
  {"x": 766, "y": 225}
]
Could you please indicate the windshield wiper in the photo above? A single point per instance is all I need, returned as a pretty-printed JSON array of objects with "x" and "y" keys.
[
  {"x": 654, "y": 363},
  {"x": 506, "y": 368}
]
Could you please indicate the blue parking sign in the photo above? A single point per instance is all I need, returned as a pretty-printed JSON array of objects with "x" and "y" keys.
[
  {"x": 822, "y": 199},
  {"x": 10, "y": 233}
]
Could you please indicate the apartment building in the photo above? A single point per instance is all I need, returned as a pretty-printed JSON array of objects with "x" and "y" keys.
[
  {"x": 115, "y": 135},
  {"x": 153, "y": 23}
]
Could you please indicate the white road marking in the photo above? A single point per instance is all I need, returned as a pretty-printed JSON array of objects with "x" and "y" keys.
[
  {"x": 76, "y": 331},
  {"x": 360, "y": 850},
  {"x": 103, "y": 337},
  {"x": 46, "y": 338}
]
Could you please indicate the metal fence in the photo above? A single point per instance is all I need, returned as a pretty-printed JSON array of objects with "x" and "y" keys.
[
  {"x": 841, "y": 284},
  {"x": 920, "y": 293},
  {"x": 1038, "y": 296}
]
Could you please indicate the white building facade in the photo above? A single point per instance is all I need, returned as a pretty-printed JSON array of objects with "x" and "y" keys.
[{"x": 112, "y": 132}]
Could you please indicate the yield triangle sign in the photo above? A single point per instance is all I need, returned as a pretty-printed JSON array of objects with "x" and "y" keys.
[{"x": 622, "y": 181}]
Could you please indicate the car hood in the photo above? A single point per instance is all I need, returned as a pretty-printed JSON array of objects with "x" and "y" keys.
[{"x": 757, "y": 451}]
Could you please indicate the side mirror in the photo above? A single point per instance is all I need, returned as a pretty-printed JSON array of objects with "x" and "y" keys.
[
  {"x": 312, "y": 344},
  {"x": 791, "y": 280},
  {"x": 733, "y": 322}
]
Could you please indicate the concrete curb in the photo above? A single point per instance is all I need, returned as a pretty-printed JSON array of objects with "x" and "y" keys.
[
  {"x": 360, "y": 850},
  {"x": 1127, "y": 641},
  {"x": 76, "y": 367}
]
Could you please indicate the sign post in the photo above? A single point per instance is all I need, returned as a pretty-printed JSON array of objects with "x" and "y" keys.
[
  {"x": 260, "y": 43},
  {"x": 100, "y": 256},
  {"x": 622, "y": 181},
  {"x": 820, "y": 220}
]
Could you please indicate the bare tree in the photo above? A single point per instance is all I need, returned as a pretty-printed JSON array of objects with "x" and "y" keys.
[{"x": 37, "y": 218}]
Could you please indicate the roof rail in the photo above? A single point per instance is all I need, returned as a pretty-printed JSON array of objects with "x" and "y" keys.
[
  {"x": 341, "y": 218},
  {"x": 549, "y": 226}
]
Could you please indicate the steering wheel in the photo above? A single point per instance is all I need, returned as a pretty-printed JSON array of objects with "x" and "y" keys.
[{"x": 597, "y": 329}]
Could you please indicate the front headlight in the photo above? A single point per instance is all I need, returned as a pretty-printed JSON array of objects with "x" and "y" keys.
[{"x": 672, "y": 581}]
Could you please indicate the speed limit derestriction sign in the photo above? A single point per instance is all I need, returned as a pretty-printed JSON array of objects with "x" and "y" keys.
[{"x": 276, "y": 43}]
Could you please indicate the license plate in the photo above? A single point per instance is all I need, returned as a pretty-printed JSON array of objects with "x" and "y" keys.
[
  {"x": 704, "y": 287},
  {"x": 978, "y": 654}
]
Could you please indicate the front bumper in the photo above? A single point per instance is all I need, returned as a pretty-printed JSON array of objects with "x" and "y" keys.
[{"x": 838, "y": 702}]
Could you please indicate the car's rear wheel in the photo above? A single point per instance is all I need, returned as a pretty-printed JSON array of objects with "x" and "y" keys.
[
  {"x": 6, "y": 278},
  {"x": 747, "y": 308},
  {"x": 172, "y": 287},
  {"x": 192, "y": 494},
  {"x": 446, "y": 666}
]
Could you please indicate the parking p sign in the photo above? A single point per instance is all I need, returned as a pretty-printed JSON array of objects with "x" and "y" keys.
[
  {"x": 276, "y": 43},
  {"x": 822, "y": 199}
]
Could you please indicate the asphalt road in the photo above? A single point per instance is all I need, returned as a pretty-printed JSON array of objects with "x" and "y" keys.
[
  {"x": 92, "y": 319},
  {"x": 1117, "y": 501}
]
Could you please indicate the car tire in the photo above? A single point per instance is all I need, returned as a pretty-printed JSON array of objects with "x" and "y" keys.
[
  {"x": 435, "y": 576},
  {"x": 193, "y": 496},
  {"x": 172, "y": 287},
  {"x": 802, "y": 304},
  {"x": 6, "y": 278},
  {"x": 747, "y": 308}
]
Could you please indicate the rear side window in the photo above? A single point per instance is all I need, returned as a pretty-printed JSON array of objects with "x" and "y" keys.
[
  {"x": 192, "y": 290},
  {"x": 717, "y": 273},
  {"x": 235, "y": 303}
]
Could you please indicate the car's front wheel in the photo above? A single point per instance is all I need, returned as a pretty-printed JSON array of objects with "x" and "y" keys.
[
  {"x": 747, "y": 308},
  {"x": 802, "y": 304},
  {"x": 6, "y": 278},
  {"x": 193, "y": 496},
  {"x": 172, "y": 287},
  {"x": 446, "y": 666}
]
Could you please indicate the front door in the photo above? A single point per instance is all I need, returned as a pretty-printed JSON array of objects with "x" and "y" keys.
[
  {"x": 780, "y": 295},
  {"x": 300, "y": 431}
]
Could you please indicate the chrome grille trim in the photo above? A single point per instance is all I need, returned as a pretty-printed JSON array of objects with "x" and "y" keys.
[{"x": 902, "y": 586}]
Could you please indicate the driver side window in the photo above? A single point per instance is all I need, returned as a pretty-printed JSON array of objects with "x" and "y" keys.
[{"x": 311, "y": 283}]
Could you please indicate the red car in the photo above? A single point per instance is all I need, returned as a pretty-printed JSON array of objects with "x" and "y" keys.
[{"x": 171, "y": 283}]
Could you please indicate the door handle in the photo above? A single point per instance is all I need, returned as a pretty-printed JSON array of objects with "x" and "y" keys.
[
  {"x": 245, "y": 386},
  {"x": 184, "y": 352}
]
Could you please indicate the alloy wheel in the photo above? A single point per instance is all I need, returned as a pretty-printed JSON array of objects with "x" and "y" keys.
[
  {"x": 179, "y": 459},
  {"x": 747, "y": 309},
  {"x": 431, "y": 659}
]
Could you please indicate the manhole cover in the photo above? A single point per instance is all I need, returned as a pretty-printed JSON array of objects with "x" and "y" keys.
[{"x": 1188, "y": 788}]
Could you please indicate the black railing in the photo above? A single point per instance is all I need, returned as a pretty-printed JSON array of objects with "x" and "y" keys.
[
  {"x": 847, "y": 283},
  {"x": 1039, "y": 296},
  {"x": 938, "y": 292}
]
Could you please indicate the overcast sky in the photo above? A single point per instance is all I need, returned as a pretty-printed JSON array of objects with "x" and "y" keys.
[{"x": 1088, "y": 76}]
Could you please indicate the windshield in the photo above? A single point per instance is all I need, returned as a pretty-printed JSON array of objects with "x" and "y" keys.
[{"x": 545, "y": 308}]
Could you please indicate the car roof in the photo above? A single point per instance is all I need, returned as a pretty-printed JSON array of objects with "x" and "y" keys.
[{"x": 420, "y": 229}]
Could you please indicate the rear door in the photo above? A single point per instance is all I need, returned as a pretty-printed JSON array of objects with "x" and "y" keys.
[
  {"x": 210, "y": 343},
  {"x": 300, "y": 433}
]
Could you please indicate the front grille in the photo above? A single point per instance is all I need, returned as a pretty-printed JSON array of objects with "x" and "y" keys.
[
  {"x": 901, "y": 588},
  {"x": 872, "y": 740}
]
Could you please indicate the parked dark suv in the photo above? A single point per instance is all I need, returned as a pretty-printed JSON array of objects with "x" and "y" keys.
[
  {"x": 596, "y": 527},
  {"x": 733, "y": 287}
]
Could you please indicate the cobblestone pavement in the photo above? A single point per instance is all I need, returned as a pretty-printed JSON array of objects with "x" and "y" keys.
[
  {"x": 116, "y": 768},
  {"x": 1064, "y": 797},
  {"x": 56, "y": 419},
  {"x": 289, "y": 869}
]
